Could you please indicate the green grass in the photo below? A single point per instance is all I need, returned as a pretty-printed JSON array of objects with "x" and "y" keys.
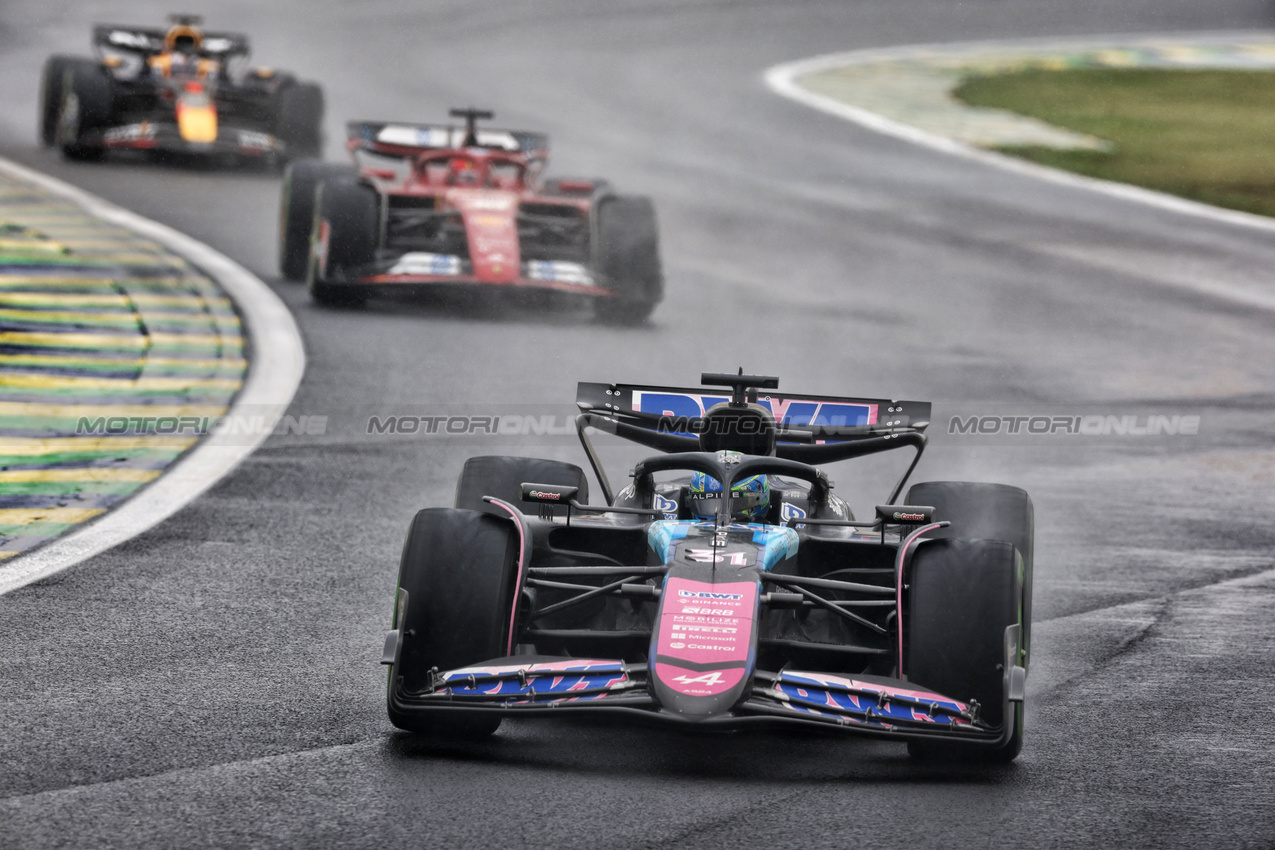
[{"x": 1205, "y": 135}]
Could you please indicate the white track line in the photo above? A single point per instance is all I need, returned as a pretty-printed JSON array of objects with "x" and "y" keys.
[
  {"x": 782, "y": 80},
  {"x": 274, "y": 373}
]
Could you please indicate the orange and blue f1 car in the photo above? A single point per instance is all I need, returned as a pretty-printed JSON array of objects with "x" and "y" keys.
[
  {"x": 726, "y": 586},
  {"x": 176, "y": 91}
]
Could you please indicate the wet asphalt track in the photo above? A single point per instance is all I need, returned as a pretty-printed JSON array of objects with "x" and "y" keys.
[{"x": 213, "y": 683}]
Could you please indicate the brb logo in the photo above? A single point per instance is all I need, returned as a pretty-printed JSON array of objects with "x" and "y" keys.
[{"x": 789, "y": 411}]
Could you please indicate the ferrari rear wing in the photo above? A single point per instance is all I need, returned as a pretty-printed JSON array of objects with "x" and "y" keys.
[
  {"x": 812, "y": 429},
  {"x": 393, "y": 137},
  {"x": 147, "y": 41}
]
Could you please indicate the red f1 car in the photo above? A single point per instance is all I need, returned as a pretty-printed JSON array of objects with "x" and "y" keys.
[{"x": 430, "y": 205}]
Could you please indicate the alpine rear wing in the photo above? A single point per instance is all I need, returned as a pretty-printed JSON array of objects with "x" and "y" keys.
[
  {"x": 148, "y": 41},
  {"x": 810, "y": 429},
  {"x": 396, "y": 138}
]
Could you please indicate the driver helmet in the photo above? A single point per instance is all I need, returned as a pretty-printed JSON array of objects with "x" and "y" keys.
[
  {"x": 462, "y": 171},
  {"x": 750, "y": 497},
  {"x": 183, "y": 39}
]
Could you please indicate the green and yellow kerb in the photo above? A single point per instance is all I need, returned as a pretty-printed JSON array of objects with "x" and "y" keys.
[{"x": 115, "y": 355}]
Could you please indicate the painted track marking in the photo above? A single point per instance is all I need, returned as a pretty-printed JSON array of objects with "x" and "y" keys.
[
  {"x": 277, "y": 366},
  {"x": 782, "y": 80}
]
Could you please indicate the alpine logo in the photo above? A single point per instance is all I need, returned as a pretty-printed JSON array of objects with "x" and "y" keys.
[{"x": 707, "y": 679}]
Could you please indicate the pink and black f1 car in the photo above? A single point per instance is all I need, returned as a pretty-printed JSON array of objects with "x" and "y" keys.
[
  {"x": 176, "y": 91},
  {"x": 744, "y": 595},
  {"x": 439, "y": 205}
]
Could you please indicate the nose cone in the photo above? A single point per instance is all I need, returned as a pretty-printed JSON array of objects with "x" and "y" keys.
[
  {"x": 703, "y": 646},
  {"x": 197, "y": 119}
]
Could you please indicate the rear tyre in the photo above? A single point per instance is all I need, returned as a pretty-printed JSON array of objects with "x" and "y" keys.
[
  {"x": 86, "y": 103},
  {"x": 628, "y": 256},
  {"x": 458, "y": 571},
  {"x": 349, "y": 213},
  {"x": 997, "y": 511},
  {"x": 503, "y": 477},
  {"x": 962, "y": 596},
  {"x": 299, "y": 119},
  {"x": 296, "y": 211}
]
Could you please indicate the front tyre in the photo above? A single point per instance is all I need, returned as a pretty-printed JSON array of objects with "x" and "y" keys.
[
  {"x": 628, "y": 257},
  {"x": 962, "y": 596},
  {"x": 51, "y": 81},
  {"x": 343, "y": 240},
  {"x": 86, "y": 103},
  {"x": 458, "y": 571},
  {"x": 301, "y": 180}
]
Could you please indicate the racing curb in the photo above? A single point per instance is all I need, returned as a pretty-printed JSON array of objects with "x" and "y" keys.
[
  {"x": 782, "y": 79},
  {"x": 274, "y": 374}
]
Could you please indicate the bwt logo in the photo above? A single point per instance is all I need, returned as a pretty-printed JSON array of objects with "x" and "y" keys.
[
  {"x": 667, "y": 506},
  {"x": 1090, "y": 426},
  {"x": 682, "y": 407},
  {"x": 705, "y": 594}
]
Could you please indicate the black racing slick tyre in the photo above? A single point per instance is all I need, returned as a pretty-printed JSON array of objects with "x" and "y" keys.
[
  {"x": 962, "y": 596},
  {"x": 628, "y": 256},
  {"x": 51, "y": 81},
  {"x": 346, "y": 228},
  {"x": 975, "y": 510},
  {"x": 299, "y": 119},
  {"x": 503, "y": 477},
  {"x": 296, "y": 211},
  {"x": 86, "y": 103},
  {"x": 457, "y": 573}
]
